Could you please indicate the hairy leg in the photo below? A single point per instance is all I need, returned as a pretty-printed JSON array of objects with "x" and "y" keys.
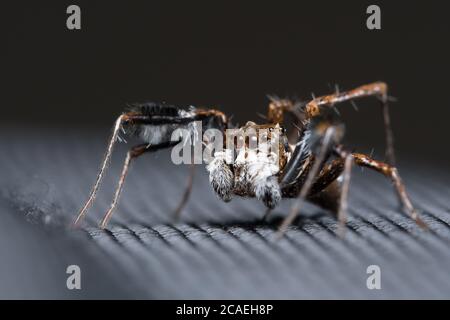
[
  {"x": 278, "y": 107},
  {"x": 305, "y": 190},
  {"x": 132, "y": 154},
  {"x": 152, "y": 114},
  {"x": 392, "y": 173},
  {"x": 321, "y": 189},
  {"x": 117, "y": 127},
  {"x": 378, "y": 89}
]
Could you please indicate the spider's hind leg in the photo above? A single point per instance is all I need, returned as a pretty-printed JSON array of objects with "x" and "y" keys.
[
  {"x": 112, "y": 141},
  {"x": 154, "y": 123},
  {"x": 133, "y": 153}
]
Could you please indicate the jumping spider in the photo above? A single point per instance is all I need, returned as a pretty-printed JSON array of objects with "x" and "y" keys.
[{"x": 304, "y": 169}]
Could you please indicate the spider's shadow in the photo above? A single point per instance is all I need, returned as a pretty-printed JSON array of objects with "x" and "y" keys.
[{"x": 273, "y": 222}]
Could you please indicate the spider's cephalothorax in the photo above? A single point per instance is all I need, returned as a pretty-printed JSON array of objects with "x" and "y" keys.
[{"x": 255, "y": 166}]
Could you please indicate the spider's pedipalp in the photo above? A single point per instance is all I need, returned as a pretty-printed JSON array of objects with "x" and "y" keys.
[
  {"x": 268, "y": 191},
  {"x": 261, "y": 173},
  {"x": 221, "y": 177}
]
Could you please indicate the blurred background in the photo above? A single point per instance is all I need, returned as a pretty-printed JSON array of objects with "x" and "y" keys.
[{"x": 228, "y": 55}]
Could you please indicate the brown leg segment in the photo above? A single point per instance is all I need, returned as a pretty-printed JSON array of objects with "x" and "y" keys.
[
  {"x": 392, "y": 173},
  {"x": 277, "y": 108},
  {"x": 342, "y": 165},
  {"x": 378, "y": 89}
]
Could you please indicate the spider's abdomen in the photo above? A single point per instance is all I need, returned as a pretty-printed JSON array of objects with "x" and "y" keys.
[
  {"x": 161, "y": 121},
  {"x": 155, "y": 123},
  {"x": 153, "y": 109}
]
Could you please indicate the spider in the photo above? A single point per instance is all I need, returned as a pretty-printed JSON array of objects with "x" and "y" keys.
[{"x": 307, "y": 169}]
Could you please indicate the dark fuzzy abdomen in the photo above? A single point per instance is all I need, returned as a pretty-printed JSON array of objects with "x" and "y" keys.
[
  {"x": 154, "y": 109},
  {"x": 160, "y": 121}
]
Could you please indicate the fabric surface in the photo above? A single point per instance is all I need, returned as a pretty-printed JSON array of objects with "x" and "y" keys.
[{"x": 216, "y": 250}]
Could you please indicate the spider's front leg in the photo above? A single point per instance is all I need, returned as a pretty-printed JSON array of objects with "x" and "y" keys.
[
  {"x": 344, "y": 164},
  {"x": 321, "y": 139},
  {"x": 391, "y": 172},
  {"x": 313, "y": 180}
]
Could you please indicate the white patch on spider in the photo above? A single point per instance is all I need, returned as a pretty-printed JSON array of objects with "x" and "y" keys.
[
  {"x": 156, "y": 134},
  {"x": 256, "y": 174},
  {"x": 194, "y": 132},
  {"x": 221, "y": 177},
  {"x": 262, "y": 169},
  {"x": 268, "y": 191}
]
